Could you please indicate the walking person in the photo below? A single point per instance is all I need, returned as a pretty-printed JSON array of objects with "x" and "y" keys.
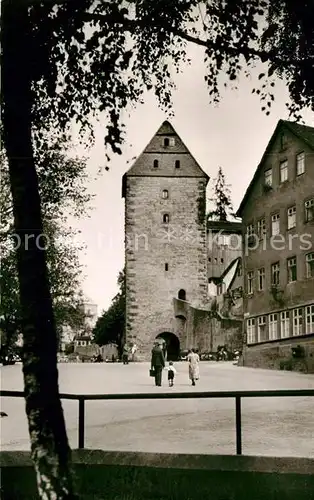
[
  {"x": 133, "y": 351},
  {"x": 125, "y": 355},
  {"x": 194, "y": 369},
  {"x": 157, "y": 363},
  {"x": 171, "y": 373}
]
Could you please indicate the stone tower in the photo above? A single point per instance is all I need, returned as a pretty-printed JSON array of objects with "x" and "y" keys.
[{"x": 165, "y": 240}]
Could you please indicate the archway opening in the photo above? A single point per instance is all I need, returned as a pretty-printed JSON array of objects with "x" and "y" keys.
[
  {"x": 182, "y": 294},
  {"x": 171, "y": 344}
]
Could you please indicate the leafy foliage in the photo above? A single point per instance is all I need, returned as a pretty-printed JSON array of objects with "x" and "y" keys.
[
  {"x": 62, "y": 184},
  {"x": 93, "y": 57},
  {"x": 69, "y": 348},
  {"x": 110, "y": 325},
  {"x": 221, "y": 199}
]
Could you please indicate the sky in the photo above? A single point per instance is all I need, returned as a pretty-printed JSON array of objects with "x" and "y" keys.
[{"x": 233, "y": 135}]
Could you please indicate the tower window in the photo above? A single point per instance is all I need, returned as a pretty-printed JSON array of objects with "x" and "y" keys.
[
  {"x": 177, "y": 164},
  {"x": 182, "y": 294},
  {"x": 166, "y": 266},
  {"x": 166, "y": 141},
  {"x": 165, "y": 218},
  {"x": 155, "y": 163},
  {"x": 165, "y": 194}
]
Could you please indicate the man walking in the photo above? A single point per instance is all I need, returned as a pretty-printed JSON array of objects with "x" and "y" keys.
[
  {"x": 125, "y": 354},
  {"x": 157, "y": 363}
]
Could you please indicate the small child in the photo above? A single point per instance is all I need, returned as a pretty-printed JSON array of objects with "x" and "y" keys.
[{"x": 171, "y": 373}]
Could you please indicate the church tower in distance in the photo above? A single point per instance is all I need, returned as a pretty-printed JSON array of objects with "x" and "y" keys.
[{"x": 165, "y": 240}]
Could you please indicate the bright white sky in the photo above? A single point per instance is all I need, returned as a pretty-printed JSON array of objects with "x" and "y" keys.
[{"x": 232, "y": 135}]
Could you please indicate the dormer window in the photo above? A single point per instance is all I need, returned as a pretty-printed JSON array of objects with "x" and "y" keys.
[
  {"x": 165, "y": 194},
  {"x": 155, "y": 163},
  {"x": 169, "y": 141},
  {"x": 165, "y": 218},
  {"x": 177, "y": 164}
]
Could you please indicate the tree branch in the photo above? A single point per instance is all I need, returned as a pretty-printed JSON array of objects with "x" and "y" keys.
[{"x": 131, "y": 25}]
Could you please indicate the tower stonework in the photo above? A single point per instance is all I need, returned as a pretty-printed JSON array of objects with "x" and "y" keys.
[{"x": 165, "y": 239}]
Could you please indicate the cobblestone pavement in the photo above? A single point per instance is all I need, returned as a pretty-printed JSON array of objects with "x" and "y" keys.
[{"x": 270, "y": 426}]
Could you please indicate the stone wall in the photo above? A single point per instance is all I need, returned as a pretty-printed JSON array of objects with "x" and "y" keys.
[
  {"x": 87, "y": 350},
  {"x": 230, "y": 306},
  {"x": 100, "y": 474},
  {"x": 206, "y": 329},
  {"x": 151, "y": 244},
  {"x": 109, "y": 350},
  {"x": 199, "y": 328},
  {"x": 278, "y": 355}
]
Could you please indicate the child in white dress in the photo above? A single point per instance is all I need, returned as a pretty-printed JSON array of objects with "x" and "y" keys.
[{"x": 171, "y": 373}]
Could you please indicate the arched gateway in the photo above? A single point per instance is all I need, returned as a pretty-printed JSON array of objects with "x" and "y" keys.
[{"x": 172, "y": 345}]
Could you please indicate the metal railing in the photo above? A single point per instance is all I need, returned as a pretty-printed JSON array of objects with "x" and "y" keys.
[{"x": 236, "y": 395}]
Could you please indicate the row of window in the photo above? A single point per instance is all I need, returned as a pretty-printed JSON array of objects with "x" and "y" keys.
[
  {"x": 275, "y": 220},
  {"x": 83, "y": 342},
  {"x": 216, "y": 260},
  {"x": 299, "y": 321},
  {"x": 283, "y": 170},
  {"x": 176, "y": 164},
  {"x": 275, "y": 273}
]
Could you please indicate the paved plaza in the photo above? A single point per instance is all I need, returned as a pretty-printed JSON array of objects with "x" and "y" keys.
[{"x": 270, "y": 426}]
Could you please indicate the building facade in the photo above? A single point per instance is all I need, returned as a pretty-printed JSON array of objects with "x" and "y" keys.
[
  {"x": 278, "y": 252},
  {"x": 165, "y": 239},
  {"x": 70, "y": 335},
  {"x": 224, "y": 244},
  {"x": 170, "y": 254}
]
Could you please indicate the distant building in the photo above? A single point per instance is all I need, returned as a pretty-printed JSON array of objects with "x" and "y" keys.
[
  {"x": 90, "y": 310},
  {"x": 224, "y": 243},
  {"x": 70, "y": 335},
  {"x": 82, "y": 341},
  {"x": 278, "y": 219}
]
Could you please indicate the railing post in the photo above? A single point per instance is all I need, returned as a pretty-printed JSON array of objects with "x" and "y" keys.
[
  {"x": 238, "y": 425},
  {"x": 81, "y": 422}
]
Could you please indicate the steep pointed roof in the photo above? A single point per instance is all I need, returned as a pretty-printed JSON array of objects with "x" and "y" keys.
[
  {"x": 166, "y": 155},
  {"x": 166, "y": 129},
  {"x": 303, "y": 132}
]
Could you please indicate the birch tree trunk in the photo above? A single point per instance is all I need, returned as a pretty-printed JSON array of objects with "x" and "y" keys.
[{"x": 49, "y": 444}]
